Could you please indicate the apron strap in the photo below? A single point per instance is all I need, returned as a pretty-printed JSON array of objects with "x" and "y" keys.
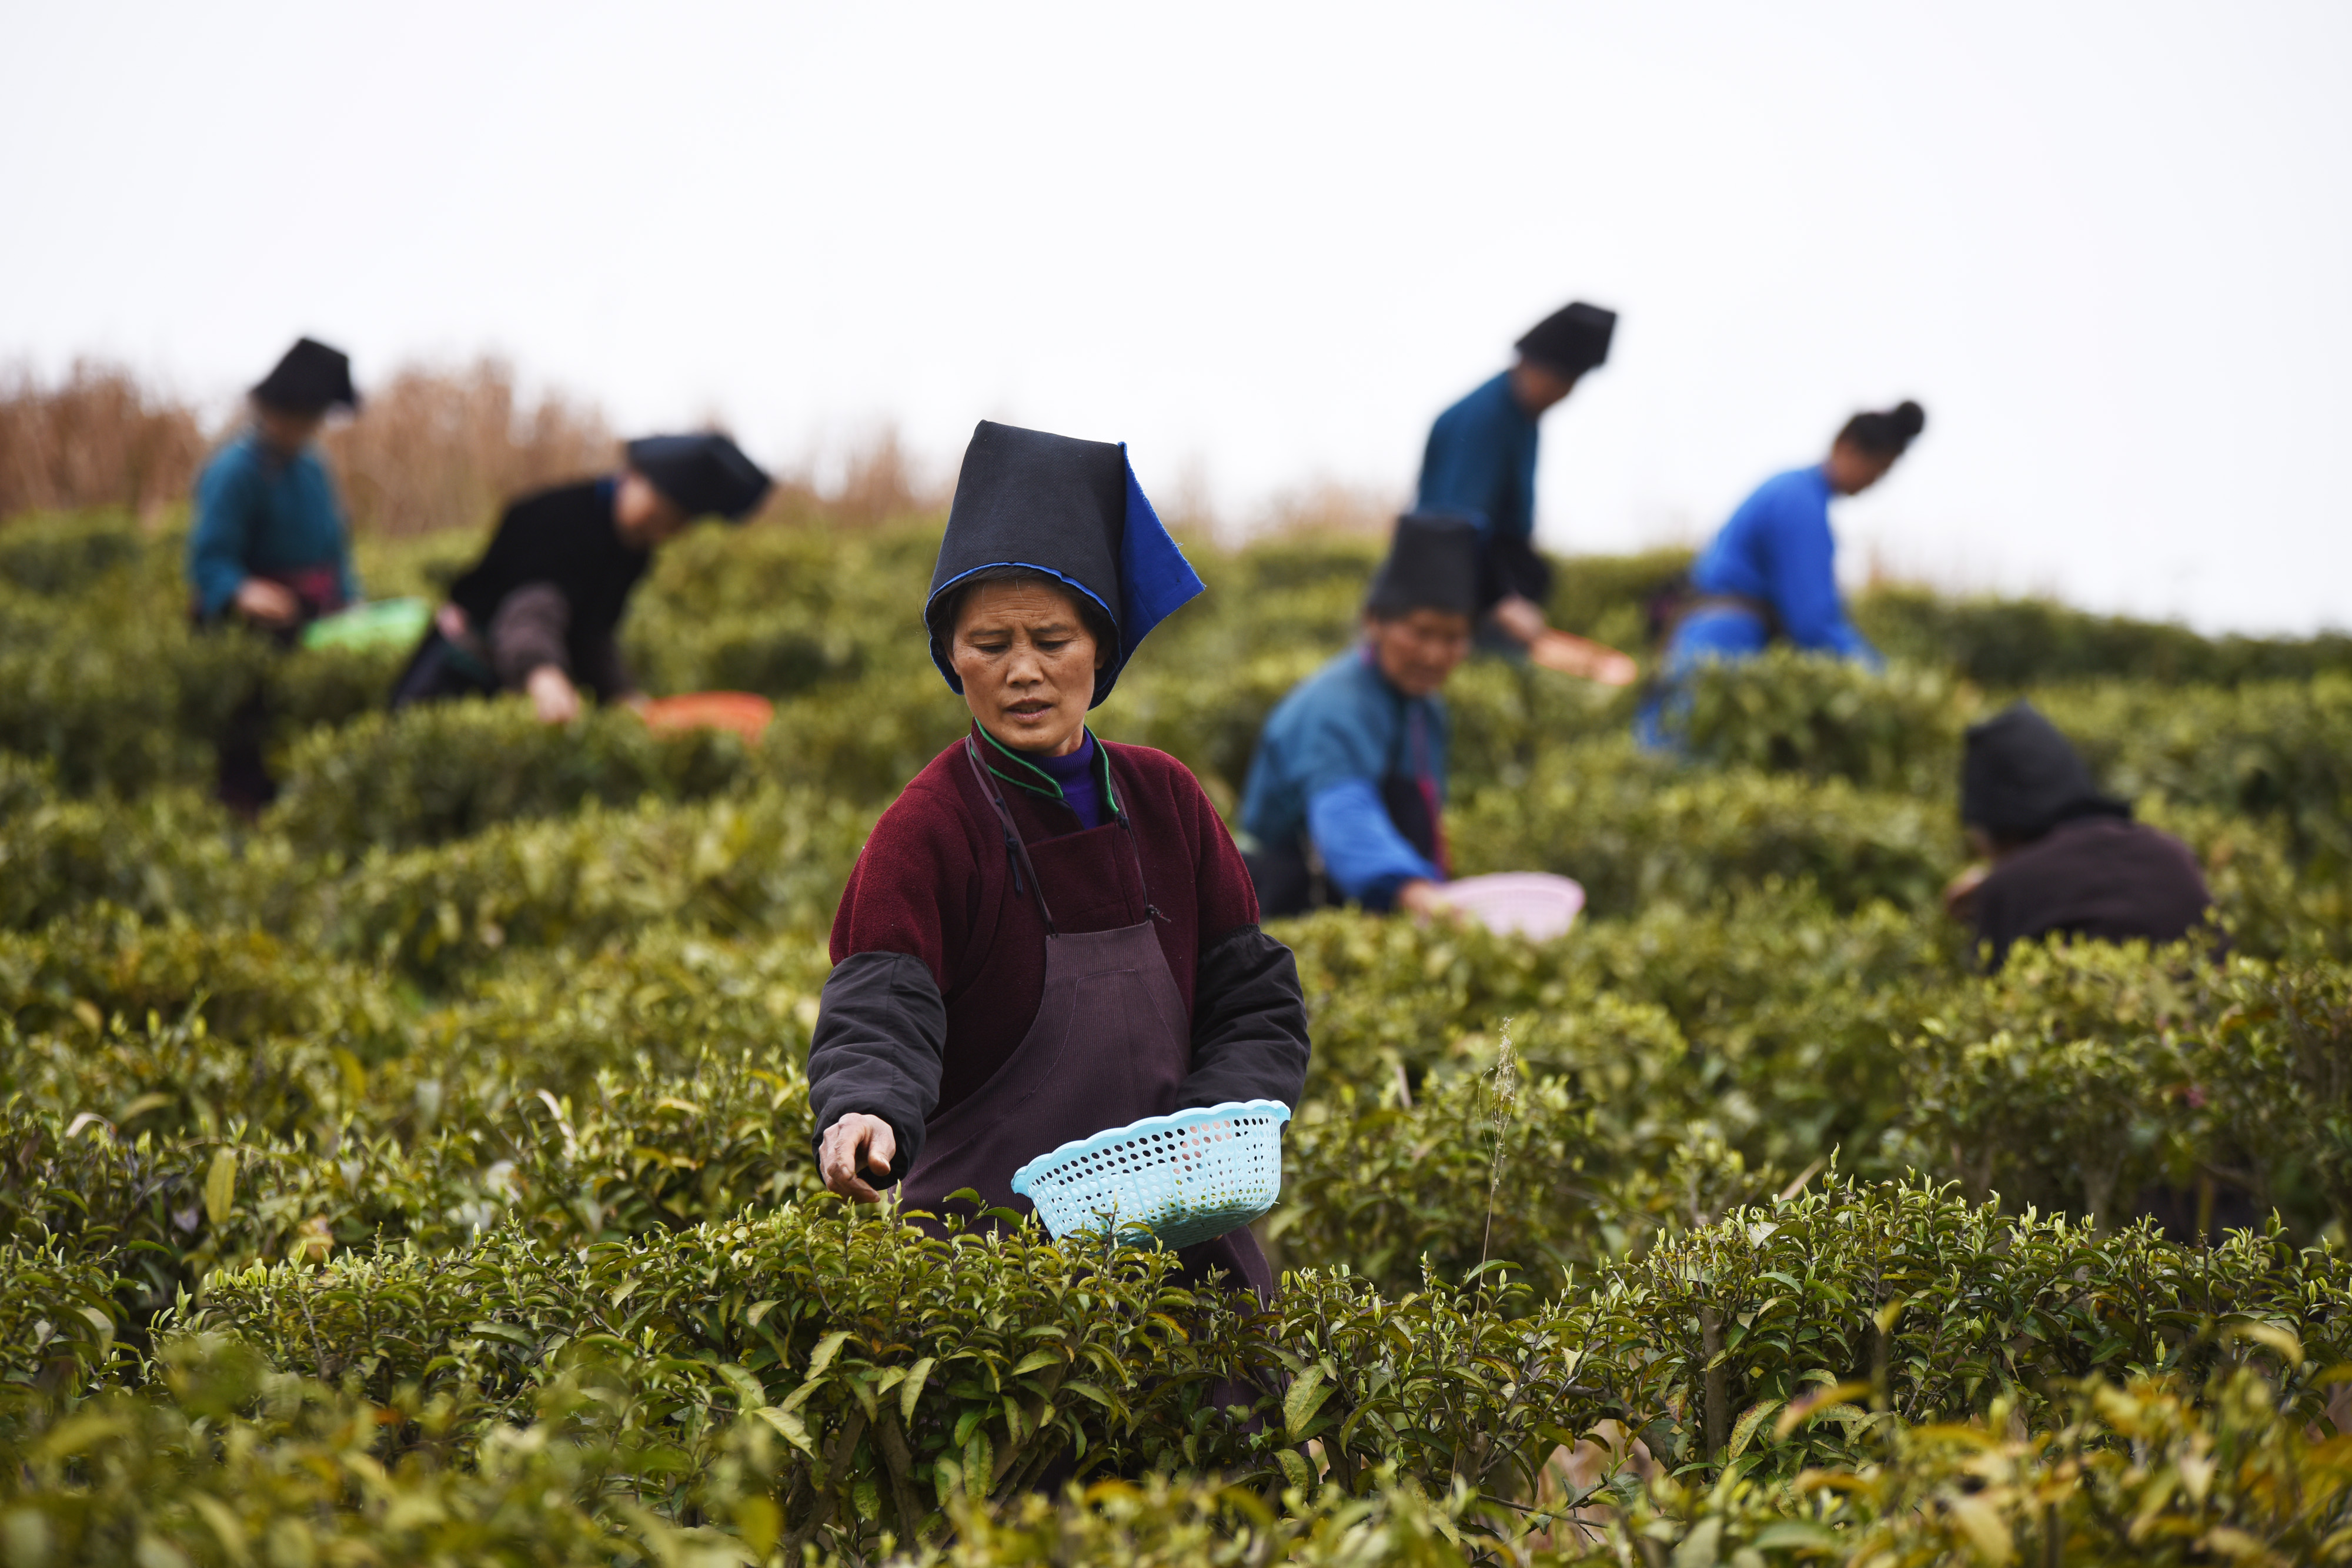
[
  {"x": 1013, "y": 846},
  {"x": 1019, "y": 851},
  {"x": 1141, "y": 880}
]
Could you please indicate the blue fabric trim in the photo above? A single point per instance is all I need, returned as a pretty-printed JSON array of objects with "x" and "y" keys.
[
  {"x": 1155, "y": 580},
  {"x": 1365, "y": 856}
]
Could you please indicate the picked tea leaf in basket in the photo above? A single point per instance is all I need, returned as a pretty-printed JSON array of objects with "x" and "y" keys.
[{"x": 1185, "y": 1177}]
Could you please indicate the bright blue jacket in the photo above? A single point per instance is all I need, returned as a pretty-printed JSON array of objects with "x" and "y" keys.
[
  {"x": 1778, "y": 549},
  {"x": 1317, "y": 771},
  {"x": 259, "y": 512},
  {"x": 1481, "y": 461}
]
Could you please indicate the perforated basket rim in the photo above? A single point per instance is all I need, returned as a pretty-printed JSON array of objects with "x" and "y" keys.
[{"x": 1174, "y": 1121}]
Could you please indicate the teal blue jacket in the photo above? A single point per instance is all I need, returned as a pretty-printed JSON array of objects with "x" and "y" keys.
[{"x": 258, "y": 512}]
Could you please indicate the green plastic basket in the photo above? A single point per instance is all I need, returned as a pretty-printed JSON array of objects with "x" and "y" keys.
[{"x": 382, "y": 624}]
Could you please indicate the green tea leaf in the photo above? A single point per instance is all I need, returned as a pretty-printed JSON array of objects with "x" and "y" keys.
[
  {"x": 826, "y": 1348},
  {"x": 220, "y": 1186},
  {"x": 1305, "y": 1396},
  {"x": 911, "y": 1389},
  {"x": 790, "y": 1426}
]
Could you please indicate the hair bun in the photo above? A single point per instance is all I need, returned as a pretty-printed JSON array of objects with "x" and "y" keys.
[{"x": 1908, "y": 418}]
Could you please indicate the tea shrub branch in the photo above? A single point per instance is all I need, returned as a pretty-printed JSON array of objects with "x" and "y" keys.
[{"x": 424, "y": 1171}]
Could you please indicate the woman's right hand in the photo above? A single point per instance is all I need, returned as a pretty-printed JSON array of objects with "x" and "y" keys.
[
  {"x": 553, "y": 698},
  {"x": 1960, "y": 893},
  {"x": 851, "y": 1146},
  {"x": 270, "y": 603},
  {"x": 1424, "y": 900}
]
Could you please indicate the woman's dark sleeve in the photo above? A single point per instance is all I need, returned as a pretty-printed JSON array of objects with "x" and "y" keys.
[
  {"x": 529, "y": 627},
  {"x": 882, "y": 1020},
  {"x": 1249, "y": 1023},
  {"x": 880, "y": 1029},
  {"x": 1249, "y": 1015}
]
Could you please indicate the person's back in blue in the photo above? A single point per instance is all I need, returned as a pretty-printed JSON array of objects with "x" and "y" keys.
[
  {"x": 1346, "y": 793},
  {"x": 1480, "y": 463},
  {"x": 1771, "y": 575}
]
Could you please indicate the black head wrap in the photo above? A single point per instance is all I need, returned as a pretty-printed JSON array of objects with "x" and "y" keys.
[
  {"x": 2022, "y": 778},
  {"x": 1432, "y": 564},
  {"x": 703, "y": 475},
  {"x": 1072, "y": 510},
  {"x": 312, "y": 379},
  {"x": 1572, "y": 340},
  {"x": 1888, "y": 432}
]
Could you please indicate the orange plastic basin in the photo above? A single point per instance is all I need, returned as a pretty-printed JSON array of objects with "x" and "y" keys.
[{"x": 746, "y": 714}]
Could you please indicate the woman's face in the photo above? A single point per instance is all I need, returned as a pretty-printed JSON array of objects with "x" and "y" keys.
[
  {"x": 1852, "y": 470},
  {"x": 1028, "y": 664},
  {"x": 1419, "y": 650},
  {"x": 286, "y": 430},
  {"x": 643, "y": 516}
]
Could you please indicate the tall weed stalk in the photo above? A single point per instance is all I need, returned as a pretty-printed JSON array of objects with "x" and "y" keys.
[{"x": 1502, "y": 1108}]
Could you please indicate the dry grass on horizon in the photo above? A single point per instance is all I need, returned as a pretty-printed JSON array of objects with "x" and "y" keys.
[
  {"x": 97, "y": 439},
  {"x": 434, "y": 448}
]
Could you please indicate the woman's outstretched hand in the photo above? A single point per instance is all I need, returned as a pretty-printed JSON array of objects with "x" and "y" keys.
[
  {"x": 1581, "y": 656},
  {"x": 266, "y": 602},
  {"x": 853, "y": 1146},
  {"x": 1426, "y": 900},
  {"x": 553, "y": 696}
]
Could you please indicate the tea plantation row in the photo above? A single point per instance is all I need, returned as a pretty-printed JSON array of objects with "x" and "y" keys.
[
  {"x": 101, "y": 674},
  {"x": 424, "y": 1174}
]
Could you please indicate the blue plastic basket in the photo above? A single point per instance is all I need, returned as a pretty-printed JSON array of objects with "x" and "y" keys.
[{"x": 1184, "y": 1177}]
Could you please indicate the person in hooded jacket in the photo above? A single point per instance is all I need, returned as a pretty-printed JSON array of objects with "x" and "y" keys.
[
  {"x": 1048, "y": 935},
  {"x": 541, "y": 612},
  {"x": 270, "y": 547},
  {"x": 1480, "y": 463},
  {"x": 2059, "y": 857},
  {"x": 1347, "y": 790}
]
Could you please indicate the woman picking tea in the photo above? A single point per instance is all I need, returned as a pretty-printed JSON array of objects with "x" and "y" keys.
[{"x": 1048, "y": 933}]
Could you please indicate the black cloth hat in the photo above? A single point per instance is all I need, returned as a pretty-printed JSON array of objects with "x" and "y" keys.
[
  {"x": 2021, "y": 778},
  {"x": 1571, "y": 339},
  {"x": 1072, "y": 511},
  {"x": 704, "y": 475},
  {"x": 1432, "y": 564},
  {"x": 312, "y": 379}
]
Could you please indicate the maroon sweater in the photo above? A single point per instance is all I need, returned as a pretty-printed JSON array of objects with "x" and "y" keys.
[{"x": 934, "y": 882}]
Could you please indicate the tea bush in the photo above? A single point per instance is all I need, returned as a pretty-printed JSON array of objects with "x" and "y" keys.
[
  {"x": 959, "y": 1370},
  {"x": 426, "y": 1170},
  {"x": 1790, "y": 712},
  {"x": 1635, "y": 828},
  {"x": 2156, "y": 1470},
  {"x": 2010, "y": 643},
  {"x": 445, "y": 771},
  {"x": 2275, "y": 751}
]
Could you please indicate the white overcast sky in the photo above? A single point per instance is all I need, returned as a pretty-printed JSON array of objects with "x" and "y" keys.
[{"x": 2109, "y": 246}]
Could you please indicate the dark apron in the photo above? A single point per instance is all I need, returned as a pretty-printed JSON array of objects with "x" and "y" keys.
[
  {"x": 441, "y": 669},
  {"x": 1110, "y": 1046},
  {"x": 243, "y": 783}
]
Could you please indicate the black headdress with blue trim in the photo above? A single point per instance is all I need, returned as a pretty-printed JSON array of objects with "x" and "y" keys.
[{"x": 1070, "y": 509}]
